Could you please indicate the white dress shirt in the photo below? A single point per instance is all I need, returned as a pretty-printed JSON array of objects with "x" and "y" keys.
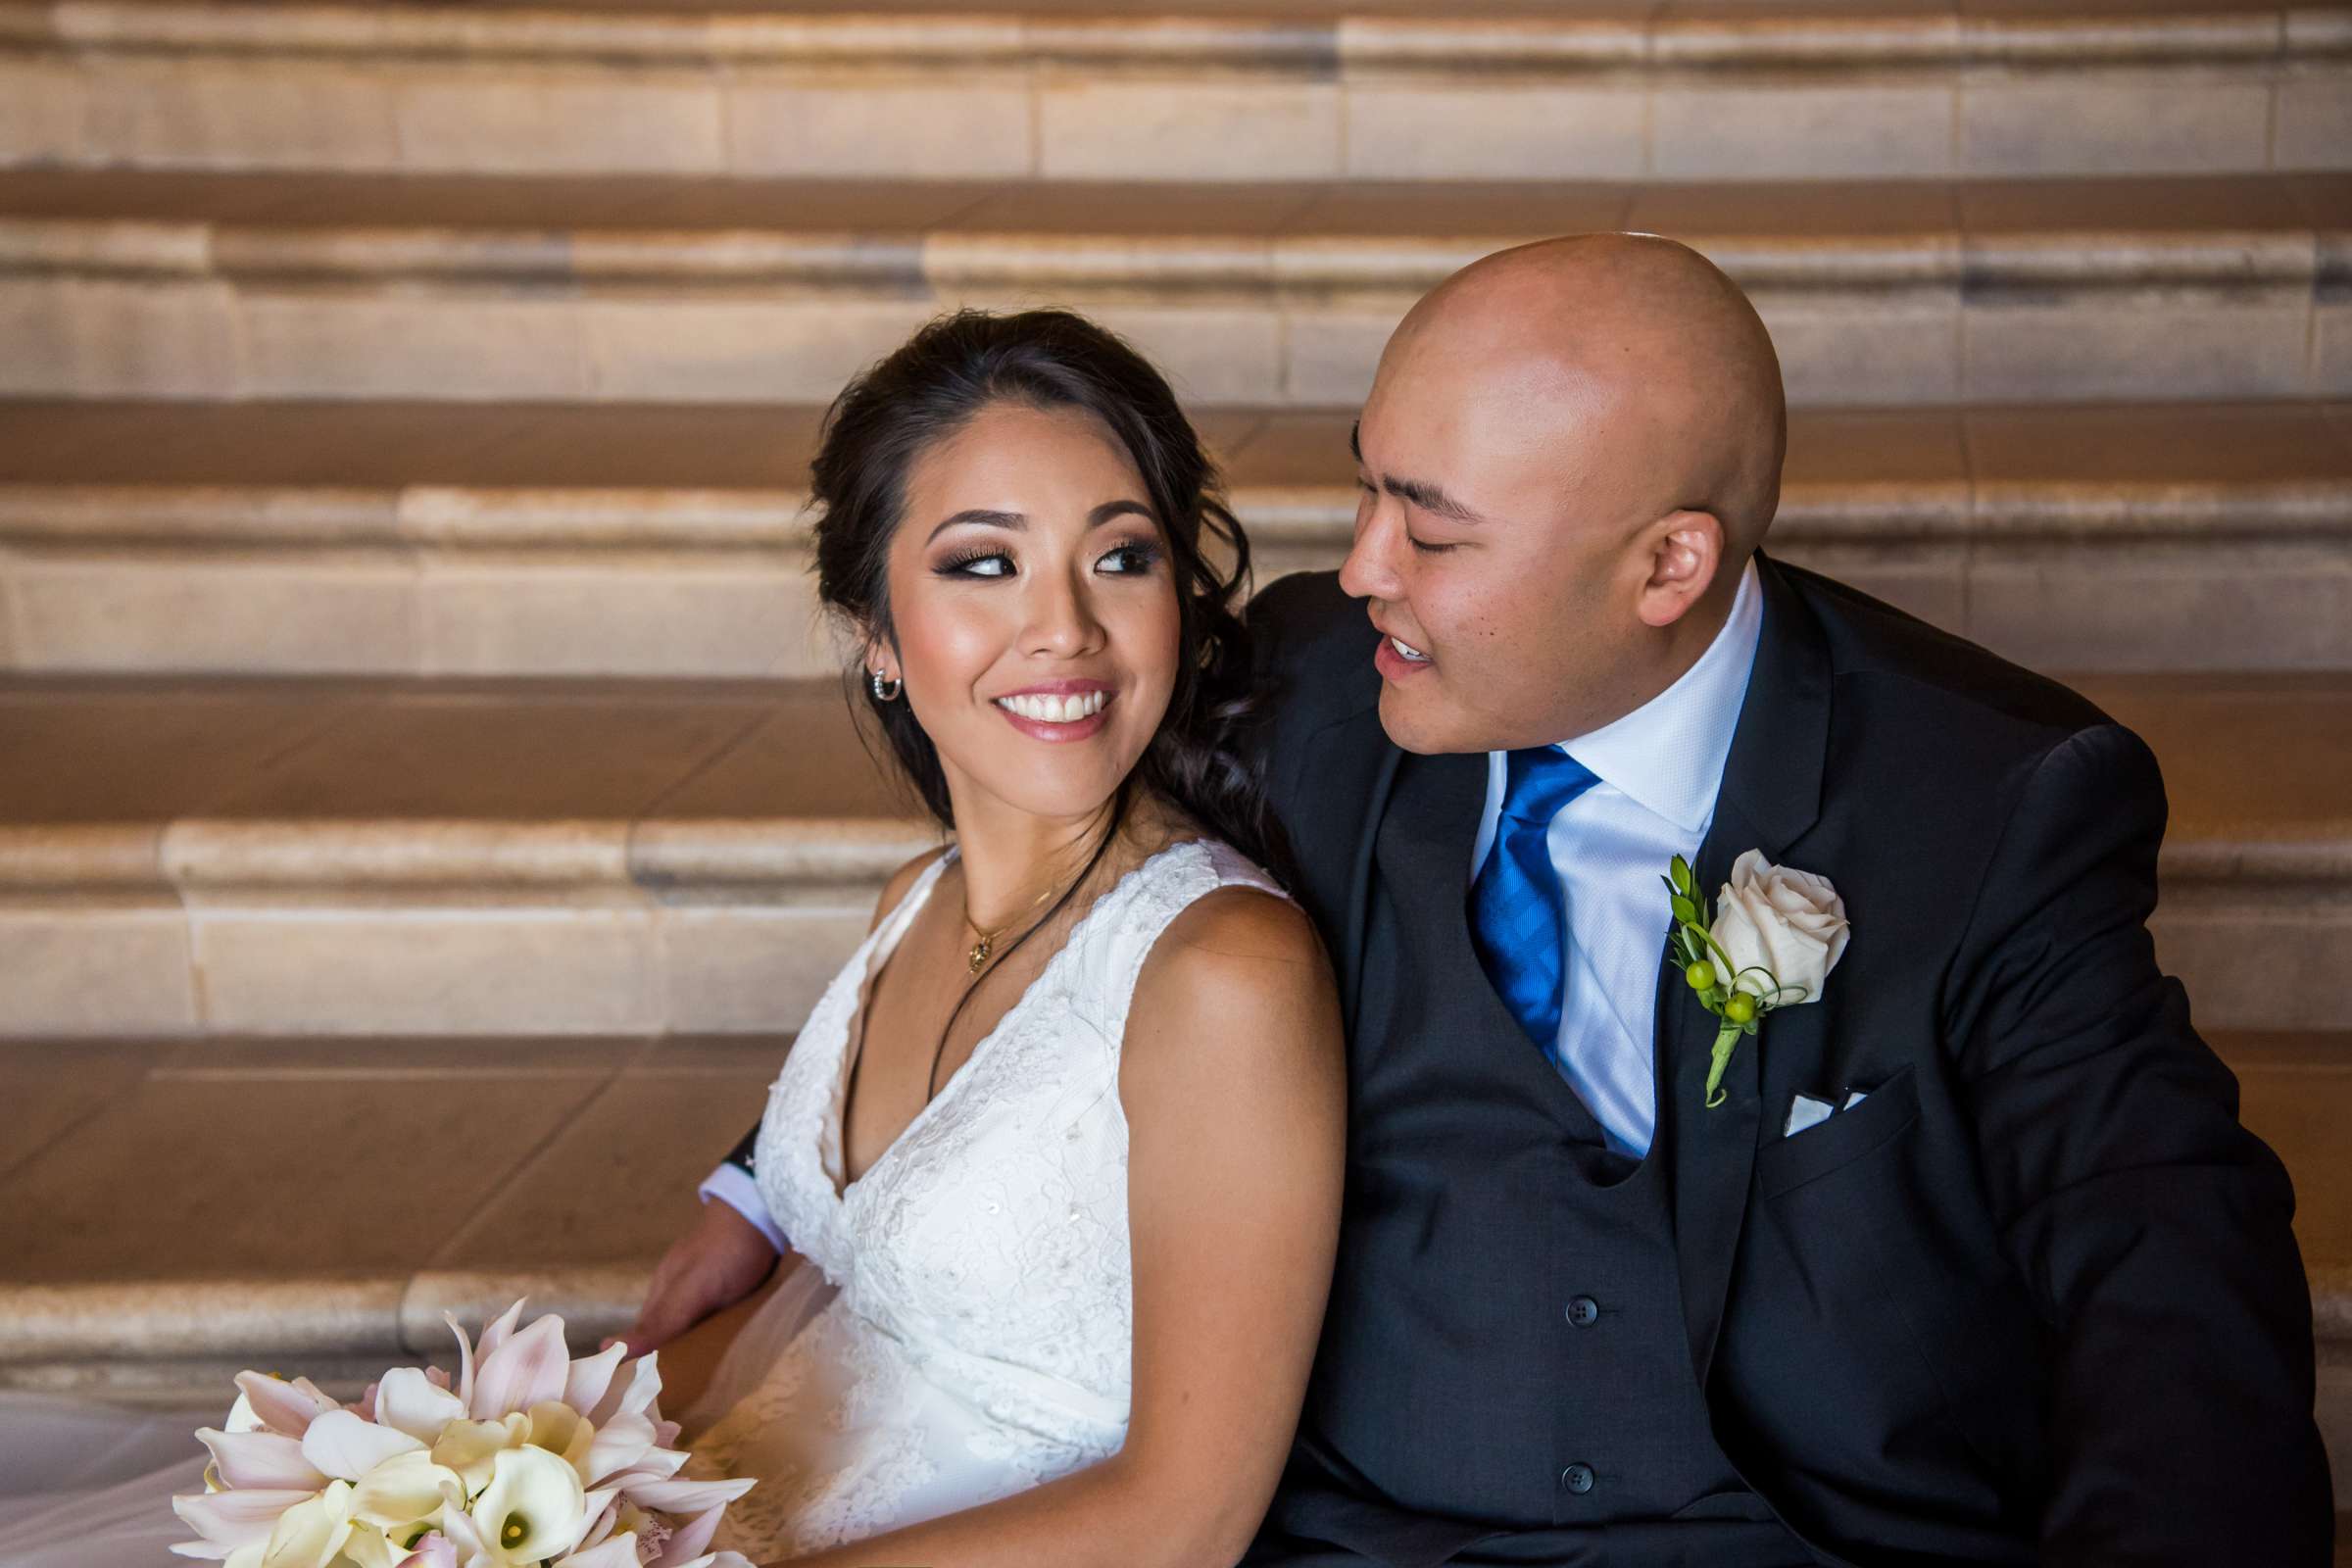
[{"x": 1660, "y": 769}]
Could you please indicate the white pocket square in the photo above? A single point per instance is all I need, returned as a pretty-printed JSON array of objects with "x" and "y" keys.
[{"x": 1805, "y": 1112}]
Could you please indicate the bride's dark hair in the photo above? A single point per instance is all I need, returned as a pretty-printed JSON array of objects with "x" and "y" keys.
[{"x": 930, "y": 388}]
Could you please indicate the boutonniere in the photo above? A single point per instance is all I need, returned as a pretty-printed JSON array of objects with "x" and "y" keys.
[{"x": 1774, "y": 938}]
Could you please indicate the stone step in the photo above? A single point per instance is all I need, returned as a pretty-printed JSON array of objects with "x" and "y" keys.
[
  {"x": 210, "y": 286},
  {"x": 314, "y": 1226},
  {"x": 554, "y": 1168},
  {"x": 1267, "y": 90},
  {"x": 514, "y": 540},
  {"x": 473, "y": 858}
]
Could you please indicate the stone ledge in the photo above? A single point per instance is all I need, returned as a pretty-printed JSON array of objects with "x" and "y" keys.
[
  {"x": 361, "y": 857},
  {"x": 2106, "y": 477},
  {"x": 283, "y": 1319},
  {"x": 1097, "y": 260},
  {"x": 448, "y": 517},
  {"x": 1296, "y": 38},
  {"x": 362, "y": 860}
]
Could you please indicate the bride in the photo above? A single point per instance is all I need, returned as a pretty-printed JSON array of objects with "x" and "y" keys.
[{"x": 1059, "y": 1152}]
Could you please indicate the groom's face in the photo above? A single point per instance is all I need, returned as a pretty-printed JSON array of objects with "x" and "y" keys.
[{"x": 1494, "y": 513}]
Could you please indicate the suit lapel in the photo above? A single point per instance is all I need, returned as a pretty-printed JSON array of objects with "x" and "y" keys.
[
  {"x": 1349, "y": 769},
  {"x": 1771, "y": 795}
]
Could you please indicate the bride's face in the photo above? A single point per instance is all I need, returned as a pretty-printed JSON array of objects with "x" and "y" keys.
[{"x": 1034, "y": 610}]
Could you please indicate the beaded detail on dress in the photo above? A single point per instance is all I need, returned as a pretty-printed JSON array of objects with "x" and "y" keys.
[{"x": 979, "y": 1340}]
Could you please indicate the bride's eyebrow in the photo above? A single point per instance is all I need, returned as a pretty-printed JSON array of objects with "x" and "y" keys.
[
  {"x": 1013, "y": 521},
  {"x": 1018, "y": 522}
]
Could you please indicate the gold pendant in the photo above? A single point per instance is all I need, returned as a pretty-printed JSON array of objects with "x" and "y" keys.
[{"x": 980, "y": 954}]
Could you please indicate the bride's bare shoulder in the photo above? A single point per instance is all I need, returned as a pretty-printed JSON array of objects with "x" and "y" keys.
[
  {"x": 1235, "y": 952},
  {"x": 901, "y": 882}
]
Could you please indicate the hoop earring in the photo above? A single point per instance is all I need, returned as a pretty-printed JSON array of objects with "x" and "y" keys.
[{"x": 885, "y": 691}]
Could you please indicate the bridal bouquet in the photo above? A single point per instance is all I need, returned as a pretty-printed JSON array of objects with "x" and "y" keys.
[{"x": 533, "y": 1459}]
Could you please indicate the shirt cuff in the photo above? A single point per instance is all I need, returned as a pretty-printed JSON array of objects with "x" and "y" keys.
[{"x": 733, "y": 1186}]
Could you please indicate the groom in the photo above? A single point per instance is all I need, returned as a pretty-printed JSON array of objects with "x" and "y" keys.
[
  {"x": 1968, "y": 1259},
  {"x": 1971, "y": 1262}
]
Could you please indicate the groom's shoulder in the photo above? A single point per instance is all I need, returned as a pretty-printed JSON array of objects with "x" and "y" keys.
[
  {"x": 1306, "y": 610},
  {"x": 1314, "y": 642},
  {"x": 1909, "y": 665}
]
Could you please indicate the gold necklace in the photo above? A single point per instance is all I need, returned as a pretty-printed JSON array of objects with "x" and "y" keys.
[{"x": 986, "y": 947}]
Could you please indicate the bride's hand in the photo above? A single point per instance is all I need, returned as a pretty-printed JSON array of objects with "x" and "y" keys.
[{"x": 713, "y": 1266}]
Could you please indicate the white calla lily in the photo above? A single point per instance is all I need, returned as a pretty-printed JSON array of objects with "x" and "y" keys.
[
  {"x": 310, "y": 1534},
  {"x": 531, "y": 1510},
  {"x": 408, "y": 1401},
  {"x": 260, "y": 1459},
  {"x": 469, "y": 1447},
  {"x": 404, "y": 1490},
  {"x": 234, "y": 1519},
  {"x": 341, "y": 1445},
  {"x": 367, "y": 1547},
  {"x": 560, "y": 1430}
]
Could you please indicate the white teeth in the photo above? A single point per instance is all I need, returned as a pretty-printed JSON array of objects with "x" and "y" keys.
[
  {"x": 1047, "y": 709},
  {"x": 1409, "y": 652}
]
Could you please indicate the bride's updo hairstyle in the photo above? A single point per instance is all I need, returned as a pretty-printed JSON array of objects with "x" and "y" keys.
[{"x": 930, "y": 388}]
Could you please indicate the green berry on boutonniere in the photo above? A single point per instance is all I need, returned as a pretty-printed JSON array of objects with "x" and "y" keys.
[{"x": 1771, "y": 943}]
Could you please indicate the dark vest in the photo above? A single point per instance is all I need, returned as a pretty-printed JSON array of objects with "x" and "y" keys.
[{"x": 1505, "y": 1340}]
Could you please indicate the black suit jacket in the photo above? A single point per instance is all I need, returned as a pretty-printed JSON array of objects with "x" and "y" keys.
[{"x": 2036, "y": 1297}]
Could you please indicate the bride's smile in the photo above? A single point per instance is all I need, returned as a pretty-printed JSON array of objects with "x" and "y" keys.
[{"x": 1057, "y": 710}]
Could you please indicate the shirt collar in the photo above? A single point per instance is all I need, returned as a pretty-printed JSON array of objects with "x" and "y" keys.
[{"x": 1668, "y": 755}]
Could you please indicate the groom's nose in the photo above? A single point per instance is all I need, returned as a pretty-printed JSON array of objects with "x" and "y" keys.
[{"x": 1370, "y": 569}]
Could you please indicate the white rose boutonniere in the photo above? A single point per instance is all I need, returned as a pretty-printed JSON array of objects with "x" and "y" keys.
[{"x": 1775, "y": 936}]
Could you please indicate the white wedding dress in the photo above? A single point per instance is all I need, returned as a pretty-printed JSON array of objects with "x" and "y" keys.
[
  {"x": 962, "y": 1327},
  {"x": 959, "y": 1331}
]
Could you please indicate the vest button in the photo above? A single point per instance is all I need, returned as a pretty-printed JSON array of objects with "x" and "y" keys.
[
  {"x": 1577, "y": 1477},
  {"x": 1583, "y": 1311}
]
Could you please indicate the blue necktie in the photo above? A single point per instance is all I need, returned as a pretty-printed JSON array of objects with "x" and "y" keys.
[{"x": 1517, "y": 910}]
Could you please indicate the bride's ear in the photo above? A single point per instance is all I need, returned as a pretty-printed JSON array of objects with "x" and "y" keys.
[{"x": 876, "y": 656}]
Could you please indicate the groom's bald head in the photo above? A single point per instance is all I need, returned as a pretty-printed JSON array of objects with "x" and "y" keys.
[
  {"x": 1570, "y": 451},
  {"x": 1642, "y": 331}
]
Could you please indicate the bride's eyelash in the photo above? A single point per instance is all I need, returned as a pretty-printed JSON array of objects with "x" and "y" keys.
[
  {"x": 1148, "y": 553},
  {"x": 958, "y": 563}
]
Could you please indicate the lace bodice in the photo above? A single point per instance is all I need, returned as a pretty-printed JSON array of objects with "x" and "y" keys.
[{"x": 979, "y": 1341}]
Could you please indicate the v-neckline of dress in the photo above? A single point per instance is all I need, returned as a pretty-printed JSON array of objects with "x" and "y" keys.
[{"x": 834, "y": 1158}]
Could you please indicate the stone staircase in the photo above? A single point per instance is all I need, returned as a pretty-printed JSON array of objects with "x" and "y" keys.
[
  {"x": 1219, "y": 89},
  {"x": 131, "y": 283},
  {"x": 426, "y": 789}
]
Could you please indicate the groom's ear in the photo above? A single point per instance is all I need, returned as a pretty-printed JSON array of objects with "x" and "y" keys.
[{"x": 1686, "y": 554}]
